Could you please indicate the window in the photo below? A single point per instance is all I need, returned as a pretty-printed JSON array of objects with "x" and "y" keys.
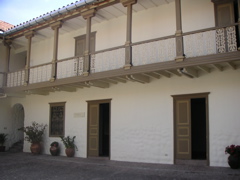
[
  {"x": 226, "y": 12},
  {"x": 57, "y": 119},
  {"x": 80, "y": 44}
]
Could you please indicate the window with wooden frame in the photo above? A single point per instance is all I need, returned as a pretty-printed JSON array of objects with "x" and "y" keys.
[
  {"x": 57, "y": 119},
  {"x": 80, "y": 44},
  {"x": 226, "y": 15},
  {"x": 226, "y": 12}
]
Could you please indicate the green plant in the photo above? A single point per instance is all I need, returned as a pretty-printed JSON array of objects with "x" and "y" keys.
[
  {"x": 69, "y": 142},
  {"x": 34, "y": 132},
  {"x": 233, "y": 150},
  {"x": 3, "y": 138}
]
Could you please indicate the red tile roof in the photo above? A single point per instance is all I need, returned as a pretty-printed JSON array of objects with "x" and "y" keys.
[{"x": 5, "y": 26}]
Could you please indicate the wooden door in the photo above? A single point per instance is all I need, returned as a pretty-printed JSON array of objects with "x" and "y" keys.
[
  {"x": 93, "y": 130},
  {"x": 80, "y": 47},
  {"x": 183, "y": 129},
  {"x": 80, "y": 44},
  {"x": 225, "y": 14}
]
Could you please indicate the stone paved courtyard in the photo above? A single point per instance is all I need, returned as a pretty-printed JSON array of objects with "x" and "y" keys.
[{"x": 24, "y": 166}]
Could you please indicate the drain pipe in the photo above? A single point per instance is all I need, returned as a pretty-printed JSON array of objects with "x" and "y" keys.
[{"x": 47, "y": 16}]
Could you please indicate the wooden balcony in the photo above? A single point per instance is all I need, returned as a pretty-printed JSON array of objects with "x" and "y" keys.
[{"x": 203, "y": 50}]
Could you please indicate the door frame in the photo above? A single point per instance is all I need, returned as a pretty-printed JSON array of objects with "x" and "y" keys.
[
  {"x": 191, "y": 96},
  {"x": 88, "y": 113}
]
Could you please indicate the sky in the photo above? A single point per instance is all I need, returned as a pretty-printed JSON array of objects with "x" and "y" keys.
[{"x": 19, "y": 11}]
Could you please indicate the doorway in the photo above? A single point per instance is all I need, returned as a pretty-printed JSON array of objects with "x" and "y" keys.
[
  {"x": 191, "y": 127},
  {"x": 99, "y": 128},
  {"x": 198, "y": 128},
  {"x": 17, "y": 122}
]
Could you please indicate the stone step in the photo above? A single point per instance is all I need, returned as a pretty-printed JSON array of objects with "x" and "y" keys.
[{"x": 16, "y": 147}]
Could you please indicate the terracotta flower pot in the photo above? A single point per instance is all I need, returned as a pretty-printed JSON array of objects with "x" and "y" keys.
[
  {"x": 70, "y": 152},
  {"x": 234, "y": 162},
  {"x": 35, "y": 148},
  {"x": 54, "y": 150}
]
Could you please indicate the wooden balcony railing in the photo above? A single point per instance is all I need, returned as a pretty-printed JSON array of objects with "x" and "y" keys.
[
  {"x": 1, "y": 79},
  {"x": 210, "y": 41},
  {"x": 70, "y": 67},
  {"x": 154, "y": 51},
  {"x": 40, "y": 73},
  {"x": 15, "y": 78},
  {"x": 109, "y": 59},
  {"x": 197, "y": 43}
]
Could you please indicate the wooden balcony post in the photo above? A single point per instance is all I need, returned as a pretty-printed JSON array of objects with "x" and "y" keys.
[
  {"x": 55, "y": 27},
  {"x": 29, "y": 36},
  {"x": 128, "y": 47},
  {"x": 7, "y": 44},
  {"x": 239, "y": 25},
  {"x": 179, "y": 38},
  {"x": 86, "y": 64}
]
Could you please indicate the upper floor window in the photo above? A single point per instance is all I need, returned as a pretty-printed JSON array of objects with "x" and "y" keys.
[
  {"x": 226, "y": 12},
  {"x": 80, "y": 44},
  {"x": 57, "y": 119}
]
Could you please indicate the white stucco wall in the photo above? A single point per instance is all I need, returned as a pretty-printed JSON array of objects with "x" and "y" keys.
[
  {"x": 142, "y": 116},
  {"x": 5, "y": 119},
  {"x": 41, "y": 52},
  {"x": 17, "y": 61},
  {"x": 197, "y": 15},
  {"x": 110, "y": 33},
  {"x": 154, "y": 23}
]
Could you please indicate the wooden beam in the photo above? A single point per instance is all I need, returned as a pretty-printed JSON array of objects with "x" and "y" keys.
[
  {"x": 129, "y": 78},
  {"x": 204, "y": 68},
  {"x": 17, "y": 95},
  {"x": 118, "y": 79},
  {"x": 218, "y": 67},
  {"x": 74, "y": 86},
  {"x": 97, "y": 84},
  {"x": 139, "y": 78},
  {"x": 232, "y": 65},
  {"x": 173, "y": 72},
  {"x": 123, "y": 78},
  {"x": 152, "y": 75},
  {"x": 38, "y": 92},
  {"x": 49, "y": 89},
  {"x": 108, "y": 81},
  {"x": 163, "y": 73},
  {"x": 188, "y": 72},
  {"x": 80, "y": 85},
  {"x": 66, "y": 88}
]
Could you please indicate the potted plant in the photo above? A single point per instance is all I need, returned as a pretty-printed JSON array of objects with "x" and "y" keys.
[
  {"x": 54, "y": 149},
  {"x": 3, "y": 139},
  {"x": 69, "y": 145},
  {"x": 234, "y": 156},
  {"x": 33, "y": 134}
]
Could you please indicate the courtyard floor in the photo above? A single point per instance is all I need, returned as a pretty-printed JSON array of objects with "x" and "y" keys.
[{"x": 24, "y": 166}]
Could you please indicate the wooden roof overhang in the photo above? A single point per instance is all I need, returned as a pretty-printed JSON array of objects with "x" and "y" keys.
[{"x": 60, "y": 17}]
